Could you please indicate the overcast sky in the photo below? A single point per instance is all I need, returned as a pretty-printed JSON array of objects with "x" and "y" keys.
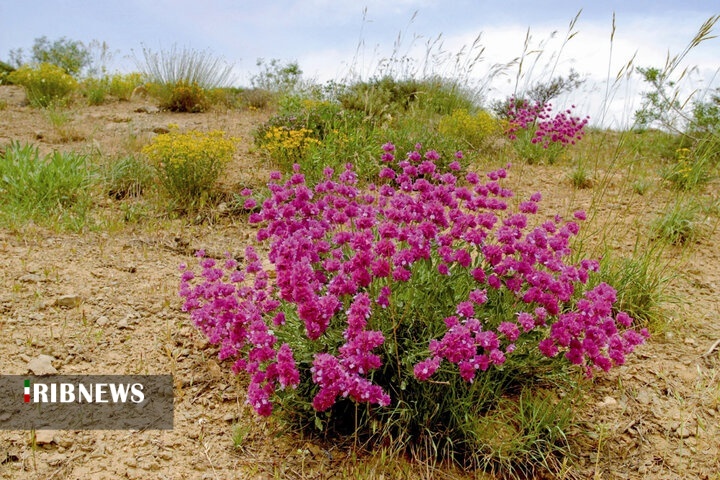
[{"x": 329, "y": 38}]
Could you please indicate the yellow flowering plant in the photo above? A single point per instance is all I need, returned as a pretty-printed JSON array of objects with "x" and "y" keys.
[
  {"x": 190, "y": 163},
  {"x": 472, "y": 129},
  {"x": 287, "y": 146},
  {"x": 44, "y": 83}
]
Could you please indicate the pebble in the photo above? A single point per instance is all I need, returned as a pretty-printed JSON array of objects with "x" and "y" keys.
[
  {"x": 31, "y": 278},
  {"x": 56, "y": 459},
  {"x": 149, "y": 465},
  {"x": 44, "y": 437},
  {"x": 42, "y": 365},
  {"x": 608, "y": 402},
  {"x": 102, "y": 321},
  {"x": 644, "y": 397},
  {"x": 64, "y": 442},
  {"x": 68, "y": 301}
]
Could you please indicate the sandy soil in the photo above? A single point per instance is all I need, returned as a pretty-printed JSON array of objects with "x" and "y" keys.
[{"x": 656, "y": 417}]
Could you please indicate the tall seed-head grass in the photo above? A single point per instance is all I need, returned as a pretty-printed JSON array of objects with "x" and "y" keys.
[
  {"x": 180, "y": 79},
  {"x": 170, "y": 67}
]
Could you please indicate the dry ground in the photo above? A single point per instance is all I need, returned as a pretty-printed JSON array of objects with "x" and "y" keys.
[{"x": 656, "y": 417}]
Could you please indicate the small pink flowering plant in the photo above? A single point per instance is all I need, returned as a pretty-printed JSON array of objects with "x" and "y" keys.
[
  {"x": 413, "y": 287},
  {"x": 537, "y": 134}
]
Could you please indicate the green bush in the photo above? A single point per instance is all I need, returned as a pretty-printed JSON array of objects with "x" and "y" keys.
[
  {"x": 388, "y": 96},
  {"x": 655, "y": 145},
  {"x": 256, "y": 98},
  {"x": 70, "y": 55},
  {"x": 95, "y": 90},
  {"x": 277, "y": 77},
  {"x": 119, "y": 86},
  {"x": 317, "y": 134},
  {"x": 679, "y": 224},
  {"x": 53, "y": 190},
  {"x": 44, "y": 84},
  {"x": 180, "y": 97},
  {"x": 127, "y": 176},
  {"x": 5, "y": 70}
]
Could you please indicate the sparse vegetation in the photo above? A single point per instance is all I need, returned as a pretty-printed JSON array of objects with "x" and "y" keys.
[{"x": 479, "y": 304}]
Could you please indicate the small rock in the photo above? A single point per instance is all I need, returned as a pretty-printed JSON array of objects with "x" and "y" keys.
[
  {"x": 644, "y": 397},
  {"x": 64, "y": 442},
  {"x": 44, "y": 437},
  {"x": 147, "y": 109},
  {"x": 31, "y": 278},
  {"x": 608, "y": 402},
  {"x": 102, "y": 321},
  {"x": 150, "y": 465},
  {"x": 229, "y": 417},
  {"x": 42, "y": 365},
  {"x": 160, "y": 130},
  {"x": 56, "y": 459},
  {"x": 69, "y": 301},
  {"x": 684, "y": 430},
  {"x": 123, "y": 323},
  {"x": 690, "y": 341}
]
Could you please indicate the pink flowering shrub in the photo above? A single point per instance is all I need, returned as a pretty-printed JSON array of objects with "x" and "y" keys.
[
  {"x": 537, "y": 134},
  {"x": 402, "y": 297}
]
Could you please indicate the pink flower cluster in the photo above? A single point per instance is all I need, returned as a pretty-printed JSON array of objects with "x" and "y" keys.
[
  {"x": 339, "y": 252},
  {"x": 589, "y": 334},
  {"x": 560, "y": 129},
  {"x": 231, "y": 311}
]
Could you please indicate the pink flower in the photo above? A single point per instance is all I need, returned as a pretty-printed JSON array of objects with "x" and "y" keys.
[{"x": 426, "y": 368}]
